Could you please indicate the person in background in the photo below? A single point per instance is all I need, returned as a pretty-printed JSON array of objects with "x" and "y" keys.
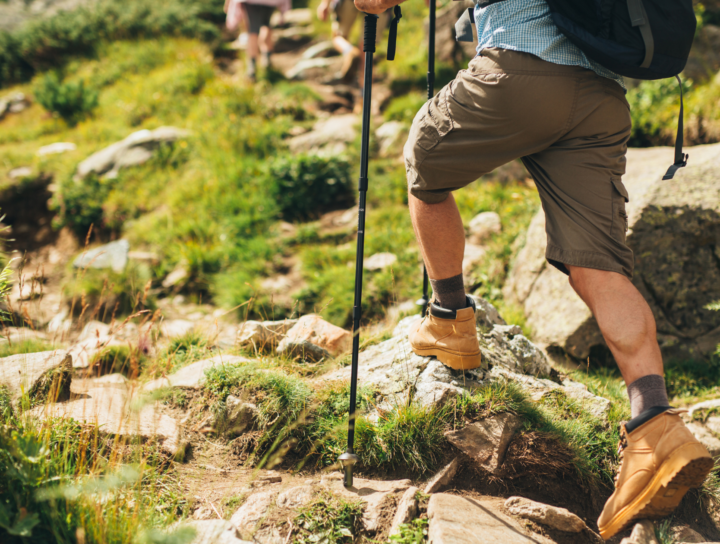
[
  {"x": 257, "y": 14},
  {"x": 345, "y": 15}
]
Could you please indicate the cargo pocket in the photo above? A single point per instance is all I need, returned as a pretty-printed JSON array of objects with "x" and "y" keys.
[
  {"x": 436, "y": 123},
  {"x": 619, "y": 227}
]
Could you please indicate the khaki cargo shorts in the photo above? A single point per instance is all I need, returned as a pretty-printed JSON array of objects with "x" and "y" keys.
[{"x": 569, "y": 126}]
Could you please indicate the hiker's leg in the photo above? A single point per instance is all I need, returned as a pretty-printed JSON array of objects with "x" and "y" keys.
[
  {"x": 440, "y": 234},
  {"x": 625, "y": 320},
  {"x": 266, "y": 43},
  {"x": 253, "y": 48}
]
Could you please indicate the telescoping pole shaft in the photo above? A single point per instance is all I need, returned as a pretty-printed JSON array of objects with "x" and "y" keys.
[
  {"x": 425, "y": 300},
  {"x": 348, "y": 459}
]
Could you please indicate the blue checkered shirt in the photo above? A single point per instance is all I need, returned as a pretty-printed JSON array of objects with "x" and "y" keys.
[{"x": 526, "y": 25}]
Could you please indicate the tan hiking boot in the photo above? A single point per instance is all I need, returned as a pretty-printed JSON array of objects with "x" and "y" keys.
[
  {"x": 449, "y": 335},
  {"x": 660, "y": 461},
  {"x": 351, "y": 61}
]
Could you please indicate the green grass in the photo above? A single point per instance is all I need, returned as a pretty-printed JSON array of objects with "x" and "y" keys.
[
  {"x": 414, "y": 532},
  {"x": 28, "y": 345}
]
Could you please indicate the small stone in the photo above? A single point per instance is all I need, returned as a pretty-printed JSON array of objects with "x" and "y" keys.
[
  {"x": 406, "y": 511},
  {"x": 486, "y": 315},
  {"x": 642, "y": 533},
  {"x": 254, "y": 509},
  {"x": 175, "y": 277},
  {"x": 193, "y": 375},
  {"x": 338, "y": 129},
  {"x": 20, "y": 172},
  {"x": 483, "y": 226},
  {"x": 685, "y": 535},
  {"x": 313, "y": 330},
  {"x": 176, "y": 327},
  {"x": 552, "y": 516},
  {"x": 56, "y": 148},
  {"x": 113, "y": 255},
  {"x": 295, "y": 497},
  {"x": 379, "y": 261},
  {"x": 443, "y": 477},
  {"x": 390, "y": 135},
  {"x": 486, "y": 441},
  {"x": 239, "y": 416}
]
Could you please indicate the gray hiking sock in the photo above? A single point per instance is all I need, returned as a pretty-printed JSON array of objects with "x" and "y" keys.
[
  {"x": 450, "y": 293},
  {"x": 647, "y": 392}
]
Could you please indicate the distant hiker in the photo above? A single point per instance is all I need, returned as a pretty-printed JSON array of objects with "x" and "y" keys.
[
  {"x": 257, "y": 14},
  {"x": 531, "y": 94},
  {"x": 345, "y": 15}
]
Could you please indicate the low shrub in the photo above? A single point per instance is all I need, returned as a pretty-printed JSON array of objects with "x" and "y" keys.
[
  {"x": 307, "y": 186},
  {"x": 72, "y": 101},
  {"x": 328, "y": 519},
  {"x": 49, "y": 42}
]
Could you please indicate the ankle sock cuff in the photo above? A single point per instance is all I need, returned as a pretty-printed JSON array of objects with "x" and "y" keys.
[
  {"x": 647, "y": 392},
  {"x": 646, "y": 416}
]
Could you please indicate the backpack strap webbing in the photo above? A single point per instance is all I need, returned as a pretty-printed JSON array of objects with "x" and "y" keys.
[
  {"x": 680, "y": 157},
  {"x": 639, "y": 18}
]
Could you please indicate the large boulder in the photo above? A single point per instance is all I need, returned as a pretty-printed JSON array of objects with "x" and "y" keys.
[
  {"x": 674, "y": 231},
  {"x": 133, "y": 150},
  {"x": 26, "y": 371}
]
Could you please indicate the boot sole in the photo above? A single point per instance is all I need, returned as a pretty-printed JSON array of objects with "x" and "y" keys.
[
  {"x": 455, "y": 361},
  {"x": 686, "y": 468}
]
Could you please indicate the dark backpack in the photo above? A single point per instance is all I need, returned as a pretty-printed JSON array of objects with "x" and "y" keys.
[{"x": 641, "y": 39}]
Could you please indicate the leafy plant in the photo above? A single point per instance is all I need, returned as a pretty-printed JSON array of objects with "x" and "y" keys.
[
  {"x": 328, "y": 520},
  {"x": 72, "y": 101},
  {"x": 414, "y": 532},
  {"x": 306, "y": 186}
]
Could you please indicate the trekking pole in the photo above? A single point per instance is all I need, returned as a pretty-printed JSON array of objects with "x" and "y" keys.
[
  {"x": 348, "y": 459},
  {"x": 425, "y": 300}
]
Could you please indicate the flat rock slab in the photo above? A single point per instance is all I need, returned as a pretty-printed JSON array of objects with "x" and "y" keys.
[
  {"x": 19, "y": 372},
  {"x": 193, "y": 375},
  {"x": 215, "y": 531},
  {"x": 370, "y": 492},
  {"x": 552, "y": 516},
  {"x": 462, "y": 520},
  {"x": 486, "y": 441},
  {"x": 253, "y": 510},
  {"x": 110, "y": 409}
]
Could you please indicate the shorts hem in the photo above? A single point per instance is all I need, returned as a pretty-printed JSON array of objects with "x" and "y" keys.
[{"x": 586, "y": 259}]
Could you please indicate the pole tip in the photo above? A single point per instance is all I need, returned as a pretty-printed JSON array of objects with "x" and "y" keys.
[{"x": 347, "y": 460}]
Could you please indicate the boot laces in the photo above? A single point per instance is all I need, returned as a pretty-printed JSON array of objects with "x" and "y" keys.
[{"x": 622, "y": 444}]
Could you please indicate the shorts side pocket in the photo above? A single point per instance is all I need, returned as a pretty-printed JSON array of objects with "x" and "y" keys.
[
  {"x": 436, "y": 123},
  {"x": 619, "y": 225}
]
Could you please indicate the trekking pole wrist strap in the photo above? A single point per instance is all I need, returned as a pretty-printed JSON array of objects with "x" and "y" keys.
[{"x": 392, "y": 35}]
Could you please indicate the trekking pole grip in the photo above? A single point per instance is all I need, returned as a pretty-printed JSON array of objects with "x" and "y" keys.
[{"x": 370, "y": 34}]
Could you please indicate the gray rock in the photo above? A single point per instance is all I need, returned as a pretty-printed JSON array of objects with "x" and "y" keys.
[
  {"x": 133, "y": 150},
  {"x": 706, "y": 438},
  {"x": 313, "y": 338},
  {"x": 20, "y": 172},
  {"x": 320, "y": 49},
  {"x": 253, "y": 510},
  {"x": 379, "y": 261},
  {"x": 108, "y": 405},
  {"x": 331, "y": 134},
  {"x": 685, "y": 535},
  {"x": 642, "y": 533},
  {"x": 462, "y": 520},
  {"x": 483, "y": 226},
  {"x": 113, "y": 255},
  {"x": 56, "y": 148},
  {"x": 674, "y": 226},
  {"x": 303, "y": 68},
  {"x": 443, "y": 477},
  {"x": 173, "y": 328},
  {"x": 552, "y": 516},
  {"x": 486, "y": 315},
  {"x": 215, "y": 531},
  {"x": 486, "y": 441},
  {"x": 239, "y": 415},
  {"x": 406, "y": 511},
  {"x": 713, "y": 425},
  {"x": 705, "y": 405},
  {"x": 474, "y": 255},
  {"x": 295, "y": 497},
  {"x": 261, "y": 334},
  {"x": 193, "y": 376},
  {"x": 21, "y": 372},
  {"x": 390, "y": 136}
]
